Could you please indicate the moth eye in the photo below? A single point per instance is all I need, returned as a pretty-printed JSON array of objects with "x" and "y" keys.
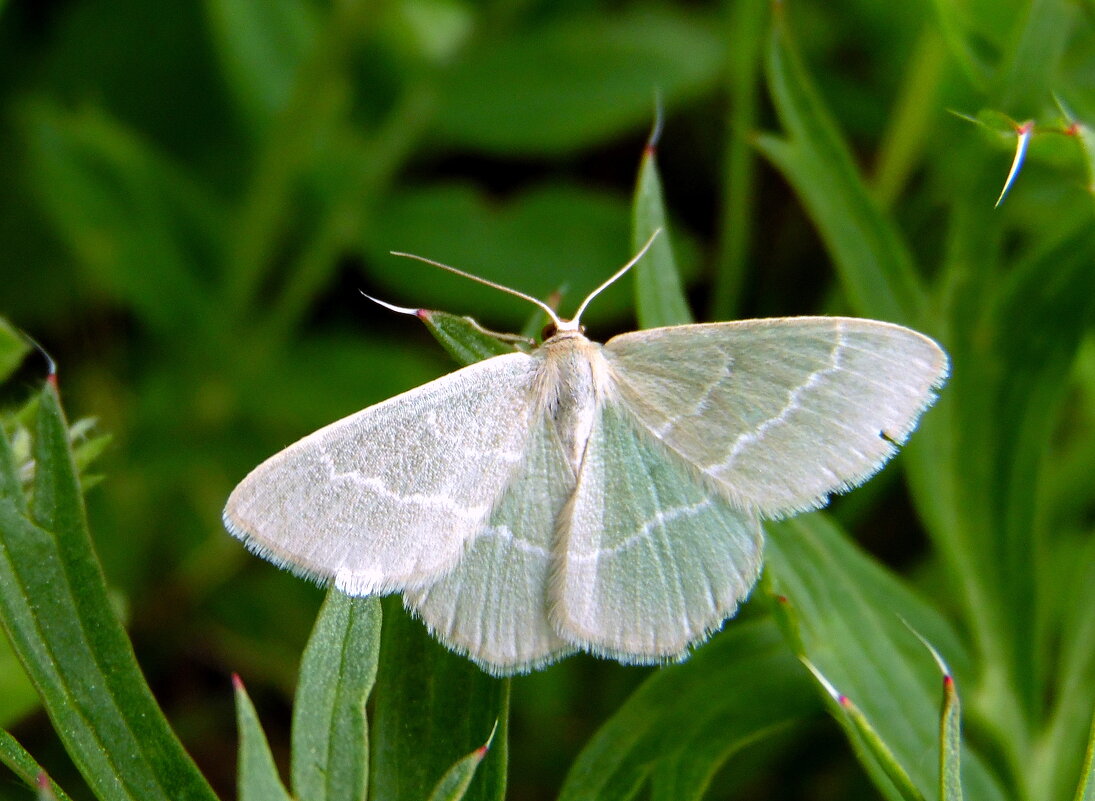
[{"x": 548, "y": 332}]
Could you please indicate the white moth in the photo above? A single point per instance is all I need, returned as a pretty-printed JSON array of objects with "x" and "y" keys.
[{"x": 588, "y": 497}]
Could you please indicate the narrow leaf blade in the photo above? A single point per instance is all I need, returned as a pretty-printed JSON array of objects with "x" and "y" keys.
[
  {"x": 258, "y": 775},
  {"x": 330, "y": 730},
  {"x": 454, "y": 784},
  {"x": 1085, "y": 791},
  {"x": 682, "y": 723},
  {"x": 463, "y": 338},
  {"x": 875, "y": 267},
  {"x": 849, "y": 613},
  {"x": 13, "y": 348},
  {"x": 25, "y": 766},
  {"x": 658, "y": 294},
  {"x": 432, "y": 706}
]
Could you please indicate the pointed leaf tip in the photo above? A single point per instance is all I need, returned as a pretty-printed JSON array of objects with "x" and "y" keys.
[
  {"x": 45, "y": 787},
  {"x": 652, "y": 141},
  {"x": 1022, "y": 142}
]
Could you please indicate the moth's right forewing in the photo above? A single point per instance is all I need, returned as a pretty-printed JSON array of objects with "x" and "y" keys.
[{"x": 387, "y": 498}]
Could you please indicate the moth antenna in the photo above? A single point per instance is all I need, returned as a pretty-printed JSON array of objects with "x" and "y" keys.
[
  {"x": 616, "y": 275},
  {"x": 391, "y": 306},
  {"x": 501, "y": 287}
]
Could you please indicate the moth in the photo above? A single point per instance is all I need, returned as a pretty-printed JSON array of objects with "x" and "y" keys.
[{"x": 591, "y": 497}]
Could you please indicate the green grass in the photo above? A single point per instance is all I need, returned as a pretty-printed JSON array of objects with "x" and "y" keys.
[{"x": 194, "y": 194}]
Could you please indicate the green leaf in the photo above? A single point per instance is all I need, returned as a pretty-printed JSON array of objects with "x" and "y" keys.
[
  {"x": 875, "y": 267},
  {"x": 464, "y": 339},
  {"x": 977, "y": 462},
  {"x": 577, "y": 82},
  {"x": 866, "y": 739},
  {"x": 17, "y": 695},
  {"x": 454, "y": 784},
  {"x": 1070, "y": 719},
  {"x": 258, "y": 778},
  {"x": 13, "y": 349},
  {"x": 950, "y": 746},
  {"x": 1033, "y": 61},
  {"x": 25, "y": 767},
  {"x": 848, "y": 615},
  {"x": 686, "y": 720},
  {"x": 56, "y": 611},
  {"x": 11, "y": 488},
  {"x": 1085, "y": 139},
  {"x": 952, "y": 25},
  {"x": 950, "y": 730},
  {"x": 745, "y": 40},
  {"x": 330, "y": 730},
  {"x": 140, "y": 228},
  {"x": 659, "y": 298},
  {"x": 1085, "y": 790},
  {"x": 262, "y": 48},
  {"x": 431, "y": 707}
]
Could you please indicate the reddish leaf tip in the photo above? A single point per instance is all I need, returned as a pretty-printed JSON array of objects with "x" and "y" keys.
[
  {"x": 948, "y": 682},
  {"x": 844, "y": 701},
  {"x": 237, "y": 682},
  {"x": 42, "y": 780},
  {"x": 782, "y": 599}
]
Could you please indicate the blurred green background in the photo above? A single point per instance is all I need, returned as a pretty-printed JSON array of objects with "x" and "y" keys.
[{"x": 194, "y": 192}]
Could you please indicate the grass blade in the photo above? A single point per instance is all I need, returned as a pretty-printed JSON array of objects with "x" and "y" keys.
[
  {"x": 866, "y": 739},
  {"x": 25, "y": 767},
  {"x": 745, "y": 39},
  {"x": 875, "y": 267},
  {"x": 462, "y": 337},
  {"x": 330, "y": 730},
  {"x": 258, "y": 775},
  {"x": 454, "y": 784},
  {"x": 659, "y": 298},
  {"x": 432, "y": 706},
  {"x": 681, "y": 725},
  {"x": 13, "y": 349},
  {"x": 1085, "y": 791},
  {"x": 847, "y": 613}
]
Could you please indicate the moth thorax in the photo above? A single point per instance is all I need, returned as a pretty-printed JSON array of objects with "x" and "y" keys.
[{"x": 574, "y": 373}]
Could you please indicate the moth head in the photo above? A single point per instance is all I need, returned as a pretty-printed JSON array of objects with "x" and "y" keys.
[{"x": 555, "y": 327}]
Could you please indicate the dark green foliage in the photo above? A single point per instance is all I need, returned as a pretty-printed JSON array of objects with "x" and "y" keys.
[{"x": 194, "y": 194}]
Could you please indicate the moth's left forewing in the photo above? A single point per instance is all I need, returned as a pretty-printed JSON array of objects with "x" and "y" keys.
[{"x": 779, "y": 413}]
